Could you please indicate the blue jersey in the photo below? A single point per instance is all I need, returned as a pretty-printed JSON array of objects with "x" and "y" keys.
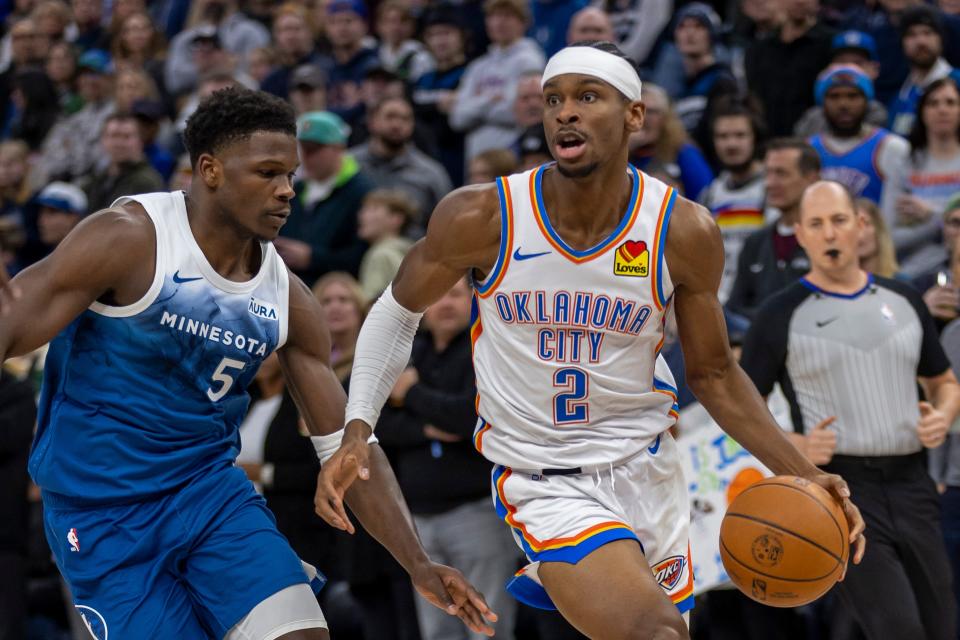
[
  {"x": 138, "y": 400},
  {"x": 857, "y": 168}
]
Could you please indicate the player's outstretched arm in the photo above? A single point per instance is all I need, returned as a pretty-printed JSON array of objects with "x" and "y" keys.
[
  {"x": 695, "y": 262},
  {"x": 464, "y": 234},
  {"x": 377, "y": 501},
  {"x": 103, "y": 255}
]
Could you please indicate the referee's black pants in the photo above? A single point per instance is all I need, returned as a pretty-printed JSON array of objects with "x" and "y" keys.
[{"x": 902, "y": 589}]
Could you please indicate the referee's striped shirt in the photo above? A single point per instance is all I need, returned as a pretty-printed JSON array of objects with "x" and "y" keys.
[{"x": 856, "y": 357}]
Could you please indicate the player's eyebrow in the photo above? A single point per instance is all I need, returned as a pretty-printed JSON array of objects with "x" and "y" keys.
[{"x": 586, "y": 80}]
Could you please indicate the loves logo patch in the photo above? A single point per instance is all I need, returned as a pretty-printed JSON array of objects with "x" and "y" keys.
[
  {"x": 668, "y": 572},
  {"x": 632, "y": 259}
]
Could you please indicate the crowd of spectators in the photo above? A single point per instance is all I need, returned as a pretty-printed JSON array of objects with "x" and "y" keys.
[{"x": 748, "y": 102}]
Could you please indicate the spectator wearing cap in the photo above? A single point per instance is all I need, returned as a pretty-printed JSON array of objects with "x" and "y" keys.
[
  {"x": 855, "y": 48},
  {"x": 71, "y": 149},
  {"x": 293, "y": 39},
  {"x": 399, "y": 52},
  {"x": 346, "y": 30},
  {"x": 308, "y": 89},
  {"x": 391, "y": 159},
  {"x": 434, "y": 92},
  {"x": 321, "y": 233},
  {"x": 482, "y": 108},
  {"x": 60, "y": 207},
  {"x": 706, "y": 80},
  {"x": 150, "y": 116},
  {"x": 551, "y": 22},
  {"x": 128, "y": 171},
  {"x": 781, "y": 67},
  {"x": 236, "y": 33},
  {"x": 868, "y": 160},
  {"x": 921, "y": 33},
  {"x": 383, "y": 219}
]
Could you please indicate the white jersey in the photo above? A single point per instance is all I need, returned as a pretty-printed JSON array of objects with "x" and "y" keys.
[{"x": 566, "y": 342}]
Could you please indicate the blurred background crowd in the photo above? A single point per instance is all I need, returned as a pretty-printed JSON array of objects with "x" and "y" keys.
[{"x": 401, "y": 101}]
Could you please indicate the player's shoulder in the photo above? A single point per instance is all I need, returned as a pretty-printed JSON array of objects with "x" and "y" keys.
[
  {"x": 466, "y": 221},
  {"x": 693, "y": 235},
  {"x": 119, "y": 229},
  {"x": 468, "y": 204}
]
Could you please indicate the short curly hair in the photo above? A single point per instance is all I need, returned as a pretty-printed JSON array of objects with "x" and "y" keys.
[{"x": 232, "y": 114}]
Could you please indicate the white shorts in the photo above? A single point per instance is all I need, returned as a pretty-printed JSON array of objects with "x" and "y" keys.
[
  {"x": 287, "y": 610},
  {"x": 563, "y": 518}
]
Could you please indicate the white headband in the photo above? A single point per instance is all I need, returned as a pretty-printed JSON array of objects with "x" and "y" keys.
[{"x": 599, "y": 64}]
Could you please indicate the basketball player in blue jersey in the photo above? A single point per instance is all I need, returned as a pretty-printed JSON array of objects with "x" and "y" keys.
[
  {"x": 575, "y": 265},
  {"x": 159, "y": 311}
]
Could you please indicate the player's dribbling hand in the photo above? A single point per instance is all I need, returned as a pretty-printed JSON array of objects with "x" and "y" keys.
[
  {"x": 933, "y": 426},
  {"x": 351, "y": 461},
  {"x": 447, "y": 589},
  {"x": 838, "y": 488},
  {"x": 8, "y": 291}
]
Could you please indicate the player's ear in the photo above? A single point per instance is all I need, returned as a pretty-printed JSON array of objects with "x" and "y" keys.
[
  {"x": 634, "y": 116},
  {"x": 210, "y": 170}
]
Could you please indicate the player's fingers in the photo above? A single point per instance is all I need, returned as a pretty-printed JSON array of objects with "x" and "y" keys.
[
  {"x": 474, "y": 620},
  {"x": 826, "y": 422},
  {"x": 860, "y": 547},
  {"x": 925, "y": 407},
  {"x": 435, "y": 591},
  {"x": 329, "y": 505},
  {"x": 854, "y": 520}
]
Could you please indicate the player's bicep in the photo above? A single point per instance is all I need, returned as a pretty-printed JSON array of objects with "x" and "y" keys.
[{"x": 305, "y": 361}]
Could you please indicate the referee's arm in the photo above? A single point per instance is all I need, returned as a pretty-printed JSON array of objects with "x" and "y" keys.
[{"x": 694, "y": 253}]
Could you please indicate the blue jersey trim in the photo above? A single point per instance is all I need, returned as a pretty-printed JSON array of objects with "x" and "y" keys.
[{"x": 833, "y": 294}]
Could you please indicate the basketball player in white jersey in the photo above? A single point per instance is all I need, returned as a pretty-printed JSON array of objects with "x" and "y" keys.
[{"x": 576, "y": 265}]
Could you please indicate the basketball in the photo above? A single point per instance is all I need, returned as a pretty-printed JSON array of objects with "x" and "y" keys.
[{"x": 784, "y": 541}]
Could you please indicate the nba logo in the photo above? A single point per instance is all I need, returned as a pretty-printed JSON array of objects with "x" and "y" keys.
[{"x": 73, "y": 540}]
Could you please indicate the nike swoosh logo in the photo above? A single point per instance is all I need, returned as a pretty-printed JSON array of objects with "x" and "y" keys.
[
  {"x": 527, "y": 256},
  {"x": 179, "y": 280},
  {"x": 824, "y": 323}
]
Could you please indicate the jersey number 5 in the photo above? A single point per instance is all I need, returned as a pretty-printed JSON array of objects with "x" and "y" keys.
[
  {"x": 567, "y": 405},
  {"x": 224, "y": 378}
]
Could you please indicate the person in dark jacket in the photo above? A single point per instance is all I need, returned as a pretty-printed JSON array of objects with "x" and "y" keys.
[
  {"x": 771, "y": 257},
  {"x": 444, "y": 480},
  {"x": 18, "y": 413},
  {"x": 320, "y": 235}
]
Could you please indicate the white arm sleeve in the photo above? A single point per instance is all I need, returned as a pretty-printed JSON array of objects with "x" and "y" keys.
[{"x": 382, "y": 353}]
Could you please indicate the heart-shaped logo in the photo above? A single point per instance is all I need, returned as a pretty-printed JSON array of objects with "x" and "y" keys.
[{"x": 630, "y": 250}]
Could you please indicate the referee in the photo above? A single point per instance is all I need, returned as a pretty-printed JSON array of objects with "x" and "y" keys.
[{"x": 847, "y": 349}]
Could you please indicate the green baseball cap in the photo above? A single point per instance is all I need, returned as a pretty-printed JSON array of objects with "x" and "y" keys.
[{"x": 322, "y": 127}]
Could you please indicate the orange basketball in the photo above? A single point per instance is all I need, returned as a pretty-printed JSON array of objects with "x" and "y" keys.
[{"x": 784, "y": 541}]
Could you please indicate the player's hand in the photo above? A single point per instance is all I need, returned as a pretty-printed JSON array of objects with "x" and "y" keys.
[
  {"x": 447, "y": 589},
  {"x": 933, "y": 426},
  {"x": 351, "y": 461},
  {"x": 821, "y": 442},
  {"x": 8, "y": 291},
  {"x": 838, "y": 488}
]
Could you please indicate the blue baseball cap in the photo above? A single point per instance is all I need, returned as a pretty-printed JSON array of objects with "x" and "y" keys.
[
  {"x": 63, "y": 196},
  {"x": 96, "y": 60},
  {"x": 843, "y": 75},
  {"x": 857, "y": 41},
  {"x": 351, "y": 6},
  {"x": 702, "y": 13}
]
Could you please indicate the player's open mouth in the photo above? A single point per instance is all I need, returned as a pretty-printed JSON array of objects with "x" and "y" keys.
[
  {"x": 569, "y": 145},
  {"x": 832, "y": 253}
]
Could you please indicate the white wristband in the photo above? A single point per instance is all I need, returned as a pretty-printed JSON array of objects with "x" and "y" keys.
[{"x": 327, "y": 445}]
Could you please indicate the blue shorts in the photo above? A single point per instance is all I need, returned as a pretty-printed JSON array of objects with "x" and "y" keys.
[{"x": 190, "y": 564}]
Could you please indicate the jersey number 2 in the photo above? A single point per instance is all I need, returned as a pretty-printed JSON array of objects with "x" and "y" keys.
[
  {"x": 224, "y": 378},
  {"x": 567, "y": 405}
]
